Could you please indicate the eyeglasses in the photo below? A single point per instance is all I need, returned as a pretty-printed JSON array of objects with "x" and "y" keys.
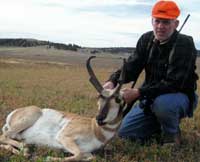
[{"x": 163, "y": 21}]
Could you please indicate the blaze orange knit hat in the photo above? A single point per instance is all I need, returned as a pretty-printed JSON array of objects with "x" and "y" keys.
[{"x": 166, "y": 10}]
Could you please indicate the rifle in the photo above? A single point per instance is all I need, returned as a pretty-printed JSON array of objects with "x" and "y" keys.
[{"x": 129, "y": 106}]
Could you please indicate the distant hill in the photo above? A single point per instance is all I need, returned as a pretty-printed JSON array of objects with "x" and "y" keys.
[
  {"x": 112, "y": 50},
  {"x": 118, "y": 50},
  {"x": 35, "y": 42}
]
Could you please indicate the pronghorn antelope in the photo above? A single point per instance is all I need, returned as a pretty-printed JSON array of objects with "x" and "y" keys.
[{"x": 72, "y": 133}]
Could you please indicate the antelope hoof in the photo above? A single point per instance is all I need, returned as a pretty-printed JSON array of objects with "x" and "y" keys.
[
  {"x": 87, "y": 157},
  {"x": 26, "y": 152}
]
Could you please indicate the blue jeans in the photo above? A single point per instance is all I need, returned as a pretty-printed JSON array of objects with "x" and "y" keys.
[{"x": 167, "y": 111}]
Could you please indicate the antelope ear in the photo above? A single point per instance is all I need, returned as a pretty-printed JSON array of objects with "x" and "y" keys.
[
  {"x": 121, "y": 79},
  {"x": 105, "y": 93}
]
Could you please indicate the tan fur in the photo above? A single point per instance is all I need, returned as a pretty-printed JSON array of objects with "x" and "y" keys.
[
  {"x": 23, "y": 118},
  {"x": 78, "y": 127}
]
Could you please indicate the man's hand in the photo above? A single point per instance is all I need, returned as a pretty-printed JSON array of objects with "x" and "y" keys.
[
  {"x": 130, "y": 94},
  {"x": 108, "y": 85}
]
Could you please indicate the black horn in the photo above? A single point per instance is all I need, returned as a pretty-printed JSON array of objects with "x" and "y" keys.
[{"x": 93, "y": 79}]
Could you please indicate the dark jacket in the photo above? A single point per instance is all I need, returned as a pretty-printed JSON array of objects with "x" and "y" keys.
[{"x": 166, "y": 70}]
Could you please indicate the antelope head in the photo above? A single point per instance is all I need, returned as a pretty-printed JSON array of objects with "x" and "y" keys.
[{"x": 110, "y": 102}]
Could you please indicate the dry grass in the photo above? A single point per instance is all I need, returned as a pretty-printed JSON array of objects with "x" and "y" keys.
[{"x": 65, "y": 87}]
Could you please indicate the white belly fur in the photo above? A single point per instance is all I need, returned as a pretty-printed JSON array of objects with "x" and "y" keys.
[{"x": 46, "y": 129}]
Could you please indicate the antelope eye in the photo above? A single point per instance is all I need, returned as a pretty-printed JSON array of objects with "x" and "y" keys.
[{"x": 117, "y": 100}]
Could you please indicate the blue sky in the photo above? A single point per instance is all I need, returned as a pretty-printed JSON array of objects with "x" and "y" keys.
[{"x": 88, "y": 23}]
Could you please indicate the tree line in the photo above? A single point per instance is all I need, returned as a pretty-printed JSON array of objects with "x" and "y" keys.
[{"x": 34, "y": 42}]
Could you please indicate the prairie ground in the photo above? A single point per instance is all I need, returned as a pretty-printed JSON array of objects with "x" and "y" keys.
[{"x": 59, "y": 80}]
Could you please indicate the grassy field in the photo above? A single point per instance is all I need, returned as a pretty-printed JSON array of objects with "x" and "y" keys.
[{"x": 58, "y": 79}]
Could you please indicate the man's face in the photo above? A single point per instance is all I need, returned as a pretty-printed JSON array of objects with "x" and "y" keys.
[{"x": 164, "y": 28}]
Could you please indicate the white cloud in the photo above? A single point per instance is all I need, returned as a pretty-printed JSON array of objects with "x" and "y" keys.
[{"x": 86, "y": 22}]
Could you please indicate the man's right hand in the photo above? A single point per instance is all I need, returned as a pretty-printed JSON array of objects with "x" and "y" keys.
[
  {"x": 130, "y": 94},
  {"x": 108, "y": 85}
]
